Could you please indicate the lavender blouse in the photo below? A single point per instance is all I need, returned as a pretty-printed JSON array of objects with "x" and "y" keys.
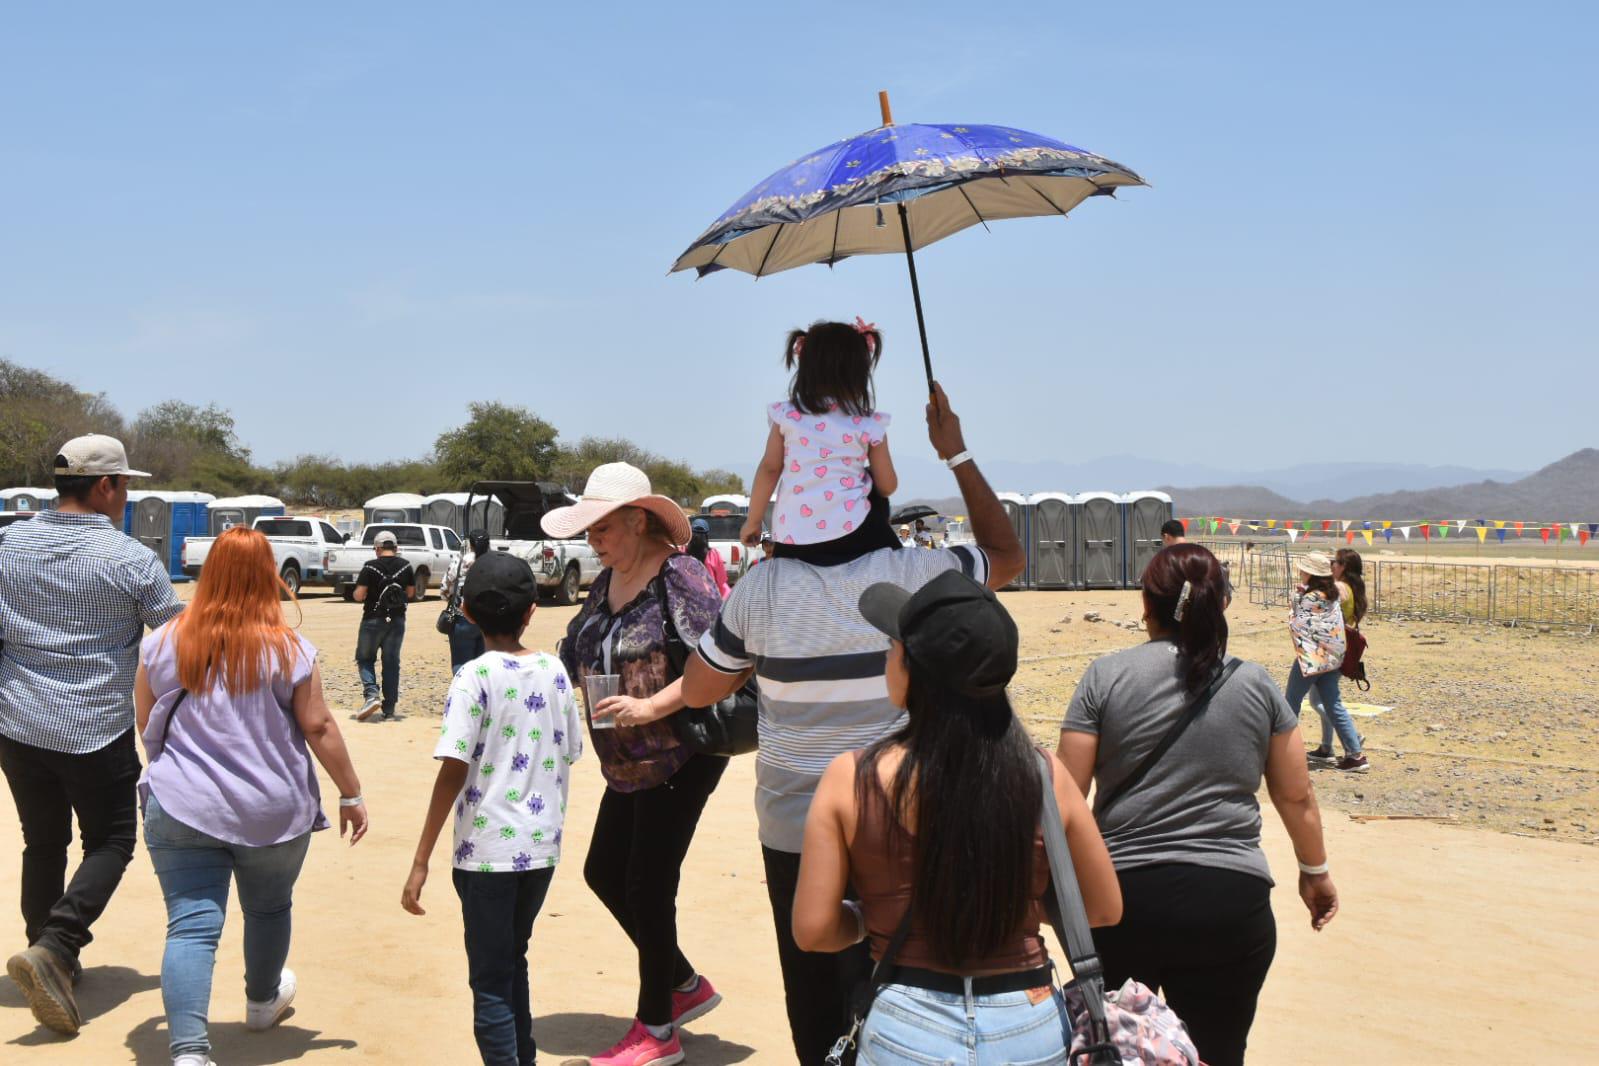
[{"x": 233, "y": 765}]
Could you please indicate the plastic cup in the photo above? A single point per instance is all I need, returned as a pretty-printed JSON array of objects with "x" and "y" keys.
[{"x": 597, "y": 688}]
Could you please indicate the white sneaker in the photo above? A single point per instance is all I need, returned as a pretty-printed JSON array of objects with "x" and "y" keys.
[
  {"x": 368, "y": 709},
  {"x": 193, "y": 1060},
  {"x": 259, "y": 1016}
]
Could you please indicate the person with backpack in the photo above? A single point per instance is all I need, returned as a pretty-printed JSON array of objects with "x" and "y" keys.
[
  {"x": 937, "y": 827},
  {"x": 1176, "y": 736},
  {"x": 384, "y": 587}
]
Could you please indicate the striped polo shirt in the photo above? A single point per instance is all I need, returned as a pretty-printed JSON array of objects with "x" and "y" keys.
[{"x": 820, "y": 667}]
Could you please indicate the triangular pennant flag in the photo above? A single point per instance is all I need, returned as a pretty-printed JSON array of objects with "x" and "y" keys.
[
  {"x": 1482, "y": 533},
  {"x": 1593, "y": 529},
  {"x": 1271, "y": 523},
  {"x": 1305, "y": 525},
  {"x": 1325, "y": 526},
  {"x": 1500, "y": 533},
  {"x": 1234, "y": 526},
  {"x": 1582, "y": 537},
  {"x": 1293, "y": 536},
  {"x": 1346, "y": 523},
  {"x": 1349, "y": 536},
  {"x": 1544, "y": 532},
  {"x": 1443, "y": 530},
  {"x": 1367, "y": 534},
  {"x": 1426, "y": 531},
  {"x": 1388, "y": 525},
  {"x": 1406, "y": 531},
  {"x": 1365, "y": 525},
  {"x": 1252, "y": 527},
  {"x": 1460, "y": 523},
  {"x": 1574, "y": 527},
  {"x": 1499, "y": 525},
  {"x": 1388, "y": 534},
  {"x": 1560, "y": 529},
  {"x": 1518, "y": 528},
  {"x": 1184, "y": 521}
]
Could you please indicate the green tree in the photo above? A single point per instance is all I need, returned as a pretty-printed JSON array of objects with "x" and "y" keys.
[
  {"x": 38, "y": 414},
  {"x": 500, "y": 442},
  {"x": 186, "y": 446}
]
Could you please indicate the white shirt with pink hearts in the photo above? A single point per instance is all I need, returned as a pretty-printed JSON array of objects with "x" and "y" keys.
[{"x": 822, "y": 494}]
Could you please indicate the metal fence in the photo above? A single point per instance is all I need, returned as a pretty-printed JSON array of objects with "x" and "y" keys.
[{"x": 1436, "y": 591}]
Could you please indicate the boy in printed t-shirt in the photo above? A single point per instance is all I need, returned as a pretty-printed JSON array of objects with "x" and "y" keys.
[{"x": 511, "y": 730}]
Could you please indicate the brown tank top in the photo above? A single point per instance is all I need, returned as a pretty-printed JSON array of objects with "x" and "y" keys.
[{"x": 883, "y": 879}]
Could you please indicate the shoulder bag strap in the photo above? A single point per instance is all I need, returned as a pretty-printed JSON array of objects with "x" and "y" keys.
[
  {"x": 1195, "y": 707},
  {"x": 676, "y": 650},
  {"x": 1087, "y": 972},
  {"x": 166, "y": 723}
]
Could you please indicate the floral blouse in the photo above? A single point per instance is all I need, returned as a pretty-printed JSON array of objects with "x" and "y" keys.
[
  {"x": 1317, "y": 627},
  {"x": 632, "y": 643}
]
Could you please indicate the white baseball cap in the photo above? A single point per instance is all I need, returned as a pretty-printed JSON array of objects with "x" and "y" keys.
[
  {"x": 385, "y": 539},
  {"x": 96, "y": 455}
]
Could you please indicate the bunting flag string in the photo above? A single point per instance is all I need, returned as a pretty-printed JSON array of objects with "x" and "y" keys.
[{"x": 1559, "y": 532}]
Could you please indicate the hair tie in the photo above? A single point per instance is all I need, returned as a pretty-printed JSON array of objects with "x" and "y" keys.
[
  {"x": 867, "y": 330},
  {"x": 1182, "y": 601}
]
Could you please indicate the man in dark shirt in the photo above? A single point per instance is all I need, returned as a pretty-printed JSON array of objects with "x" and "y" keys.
[{"x": 385, "y": 585}]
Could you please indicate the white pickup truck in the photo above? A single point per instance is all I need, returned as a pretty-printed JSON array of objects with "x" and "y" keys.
[
  {"x": 431, "y": 551},
  {"x": 300, "y": 543},
  {"x": 562, "y": 567}
]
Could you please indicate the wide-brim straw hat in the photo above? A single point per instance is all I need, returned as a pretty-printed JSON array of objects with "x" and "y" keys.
[
  {"x": 1316, "y": 564},
  {"x": 610, "y": 486}
]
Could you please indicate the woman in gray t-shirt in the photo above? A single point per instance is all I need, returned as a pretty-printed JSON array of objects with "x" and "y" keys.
[{"x": 1183, "y": 826}]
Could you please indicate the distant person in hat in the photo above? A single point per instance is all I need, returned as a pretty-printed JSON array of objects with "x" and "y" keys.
[
  {"x": 699, "y": 546},
  {"x": 935, "y": 829},
  {"x": 1317, "y": 629},
  {"x": 466, "y": 640},
  {"x": 511, "y": 732},
  {"x": 76, "y": 595},
  {"x": 905, "y": 538},
  {"x": 384, "y": 587},
  {"x": 1172, "y": 532}
]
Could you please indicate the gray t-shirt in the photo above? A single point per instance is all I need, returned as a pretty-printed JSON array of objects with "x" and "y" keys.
[{"x": 1197, "y": 805}]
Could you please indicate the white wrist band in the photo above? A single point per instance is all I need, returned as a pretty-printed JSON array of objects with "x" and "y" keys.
[
  {"x": 956, "y": 460},
  {"x": 350, "y": 801},
  {"x": 1305, "y": 868}
]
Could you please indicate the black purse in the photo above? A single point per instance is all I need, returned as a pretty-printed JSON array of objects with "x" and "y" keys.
[{"x": 727, "y": 727}]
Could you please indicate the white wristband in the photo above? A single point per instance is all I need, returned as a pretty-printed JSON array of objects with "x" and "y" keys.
[
  {"x": 350, "y": 801},
  {"x": 1306, "y": 868},
  {"x": 860, "y": 919},
  {"x": 956, "y": 460}
]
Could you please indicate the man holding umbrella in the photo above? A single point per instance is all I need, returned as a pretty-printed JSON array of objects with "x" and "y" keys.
[{"x": 822, "y": 691}]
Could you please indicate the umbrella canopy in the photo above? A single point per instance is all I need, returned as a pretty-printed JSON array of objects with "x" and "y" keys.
[
  {"x": 911, "y": 514},
  {"x": 829, "y": 205}
]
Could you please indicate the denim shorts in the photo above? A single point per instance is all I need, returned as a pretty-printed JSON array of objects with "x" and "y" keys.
[{"x": 916, "y": 1027}]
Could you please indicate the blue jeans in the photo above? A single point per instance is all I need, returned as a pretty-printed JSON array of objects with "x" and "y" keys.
[
  {"x": 466, "y": 643},
  {"x": 1332, "y": 709},
  {"x": 915, "y": 1027},
  {"x": 385, "y": 635},
  {"x": 498, "y": 912},
  {"x": 194, "y": 869}
]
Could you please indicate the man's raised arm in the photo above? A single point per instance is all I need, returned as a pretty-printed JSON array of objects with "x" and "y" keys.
[{"x": 990, "y": 524}]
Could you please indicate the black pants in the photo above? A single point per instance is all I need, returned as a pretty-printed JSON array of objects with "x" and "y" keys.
[
  {"x": 49, "y": 787},
  {"x": 816, "y": 984},
  {"x": 498, "y": 910},
  {"x": 634, "y": 863},
  {"x": 1205, "y": 938}
]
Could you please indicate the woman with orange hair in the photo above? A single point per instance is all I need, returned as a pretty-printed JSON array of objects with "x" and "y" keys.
[{"x": 229, "y": 699}]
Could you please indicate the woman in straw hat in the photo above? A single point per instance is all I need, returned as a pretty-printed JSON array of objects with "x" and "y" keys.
[
  {"x": 655, "y": 788},
  {"x": 1317, "y": 627},
  {"x": 937, "y": 828}
]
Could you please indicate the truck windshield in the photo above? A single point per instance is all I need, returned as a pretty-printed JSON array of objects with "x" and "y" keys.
[
  {"x": 723, "y": 526},
  {"x": 284, "y": 527},
  {"x": 408, "y": 536}
]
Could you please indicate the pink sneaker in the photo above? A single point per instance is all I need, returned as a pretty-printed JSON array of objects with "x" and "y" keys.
[
  {"x": 686, "y": 1006},
  {"x": 639, "y": 1048}
]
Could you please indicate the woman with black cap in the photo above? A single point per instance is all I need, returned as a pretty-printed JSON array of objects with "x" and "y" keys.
[{"x": 942, "y": 818}]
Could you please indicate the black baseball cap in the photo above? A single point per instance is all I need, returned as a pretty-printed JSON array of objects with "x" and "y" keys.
[
  {"x": 957, "y": 636},
  {"x": 499, "y": 589}
]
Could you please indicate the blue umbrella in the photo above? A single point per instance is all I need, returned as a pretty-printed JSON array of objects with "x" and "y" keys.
[{"x": 939, "y": 179}]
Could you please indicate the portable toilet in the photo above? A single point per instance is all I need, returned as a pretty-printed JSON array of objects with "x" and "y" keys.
[
  {"x": 162, "y": 521},
  {"x": 232, "y": 511},
  {"x": 1099, "y": 540},
  {"x": 446, "y": 509},
  {"x": 1020, "y": 516},
  {"x": 487, "y": 514},
  {"x": 1053, "y": 547},
  {"x": 394, "y": 507},
  {"x": 27, "y": 499},
  {"x": 1143, "y": 515}
]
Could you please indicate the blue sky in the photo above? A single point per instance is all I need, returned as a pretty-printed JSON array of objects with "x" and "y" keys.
[{"x": 1370, "y": 233}]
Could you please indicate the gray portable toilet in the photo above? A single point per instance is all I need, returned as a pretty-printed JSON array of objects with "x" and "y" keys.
[
  {"x": 1099, "y": 539},
  {"x": 232, "y": 511},
  {"x": 1143, "y": 515},
  {"x": 27, "y": 499},
  {"x": 394, "y": 507},
  {"x": 1020, "y": 516},
  {"x": 1053, "y": 548},
  {"x": 162, "y": 521},
  {"x": 487, "y": 514},
  {"x": 446, "y": 509}
]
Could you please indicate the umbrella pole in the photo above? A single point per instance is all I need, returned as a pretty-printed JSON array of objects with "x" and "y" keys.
[{"x": 916, "y": 294}]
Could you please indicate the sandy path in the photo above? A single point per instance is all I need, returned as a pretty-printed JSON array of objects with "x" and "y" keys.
[{"x": 1451, "y": 942}]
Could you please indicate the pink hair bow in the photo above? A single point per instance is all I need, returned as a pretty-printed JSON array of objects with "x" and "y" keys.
[{"x": 866, "y": 329}]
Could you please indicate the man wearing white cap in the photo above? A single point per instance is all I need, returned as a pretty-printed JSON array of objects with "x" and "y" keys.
[{"x": 76, "y": 594}]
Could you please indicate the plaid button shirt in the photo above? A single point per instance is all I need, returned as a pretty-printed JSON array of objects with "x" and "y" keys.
[{"x": 75, "y": 597}]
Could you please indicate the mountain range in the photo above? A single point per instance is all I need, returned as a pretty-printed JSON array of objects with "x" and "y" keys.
[{"x": 1564, "y": 490}]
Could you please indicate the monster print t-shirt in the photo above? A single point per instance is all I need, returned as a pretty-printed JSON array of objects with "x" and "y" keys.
[{"x": 513, "y": 720}]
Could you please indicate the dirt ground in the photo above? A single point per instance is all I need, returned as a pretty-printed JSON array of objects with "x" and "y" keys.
[{"x": 1454, "y": 943}]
